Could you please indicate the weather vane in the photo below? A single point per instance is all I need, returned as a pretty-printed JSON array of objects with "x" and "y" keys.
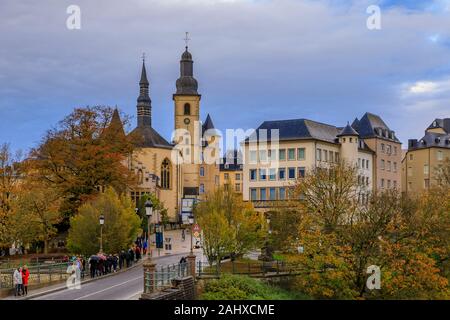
[{"x": 186, "y": 39}]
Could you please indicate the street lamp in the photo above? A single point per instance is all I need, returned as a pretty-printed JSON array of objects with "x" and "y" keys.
[
  {"x": 191, "y": 222},
  {"x": 102, "y": 222},
  {"x": 148, "y": 212}
]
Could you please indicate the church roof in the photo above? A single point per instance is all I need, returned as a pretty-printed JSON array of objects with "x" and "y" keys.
[
  {"x": 441, "y": 123},
  {"x": 115, "y": 126},
  {"x": 208, "y": 124},
  {"x": 147, "y": 137}
]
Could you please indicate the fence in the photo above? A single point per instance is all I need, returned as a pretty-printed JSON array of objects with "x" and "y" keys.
[
  {"x": 39, "y": 274},
  {"x": 161, "y": 277},
  {"x": 248, "y": 268}
]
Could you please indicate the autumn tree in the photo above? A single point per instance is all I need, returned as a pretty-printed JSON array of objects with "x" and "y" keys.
[
  {"x": 87, "y": 151},
  {"x": 230, "y": 226},
  {"x": 10, "y": 177},
  {"x": 341, "y": 236},
  {"x": 35, "y": 214},
  {"x": 119, "y": 230}
]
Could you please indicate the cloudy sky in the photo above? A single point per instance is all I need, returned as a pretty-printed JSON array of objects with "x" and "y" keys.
[{"x": 255, "y": 60}]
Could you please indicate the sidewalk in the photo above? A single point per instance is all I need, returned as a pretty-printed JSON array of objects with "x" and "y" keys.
[
  {"x": 34, "y": 293},
  {"x": 178, "y": 245}
]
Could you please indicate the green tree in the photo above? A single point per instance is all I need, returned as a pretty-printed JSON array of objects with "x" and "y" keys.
[
  {"x": 119, "y": 230},
  {"x": 230, "y": 226},
  {"x": 35, "y": 214}
]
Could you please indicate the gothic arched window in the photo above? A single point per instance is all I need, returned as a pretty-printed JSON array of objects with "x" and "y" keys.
[
  {"x": 187, "y": 109},
  {"x": 165, "y": 174}
]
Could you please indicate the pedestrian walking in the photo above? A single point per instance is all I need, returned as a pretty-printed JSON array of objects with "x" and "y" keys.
[
  {"x": 17, "y": 279},
  {"x": 25, "y": 277},
  {"x": 183, "y": 235}
]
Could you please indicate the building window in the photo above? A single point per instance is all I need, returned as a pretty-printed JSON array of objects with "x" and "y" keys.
[
  {"x": 140, "y": 176},
  {"x": 382, "y": 164},
  {"x": 187, "y": 109},
  {"x": 262, "y": 155},
  {"x": 410, "y": 156},
  {"x": 440, "y": 155},
  {"x": 350, "y": 140},
  {"x": 410, "y": 172},
  {"x": 165, "y": 174},
  {"x": 301, "y": 153},
  {"x": 282, "y": 155},
  {"x": 282, "y": 193},
  {"x": 426, "y": 169},
  {"x": 426, "y": 183},
  {"x": 253, "y": 194},
  {"x": 202, "y": 188},
  {"x": 395, "y": 184},
  {"x": 367, "y": 164},
  {"x": 325, "y": 155},
  {"x": 388, "y": 149},
  {"x": 395, "y": 151},
  {"x": 395, "y": 166},
  {"x": 291, "y": 154},
  {"x": 237, "y": 176},
  {"x": 226, "y": 166},
  {"x": 291, "y": 173},
  {"x": 301, "y": 172},
  {"x": 226, "y": 176},
  {"x": 262, "y": 174},
  {"x": 367, "y": 181},
  {"x": 319, "y": 154},
  {"x": 253, "y": 156},
  {"x": 202, "y": 172},
  {"x": 237, "y": 187},
  {"x": 253, "y": 174},
  {"x": 389, "y": 183},
  {"x": 282, "y": 174},
  {"x": 336, "y": 157},
  {"x": 331, "y": 154},
  {"x": 272, "y": 194},
  {"x": 359, "y": 162},
  {"x": 382, "y": 147},
  {"x": 272, "y": 154},
  {"x": 272, "y": 174},
  {"x": 388, "y": 166},
  {"x": 382, "y": 183},
  {"x": 262, "y": 194}
]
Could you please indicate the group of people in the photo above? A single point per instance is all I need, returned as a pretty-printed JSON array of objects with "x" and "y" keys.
[
  {"x": 20, "y": 278},
  {"x": 102, "y": 264}
]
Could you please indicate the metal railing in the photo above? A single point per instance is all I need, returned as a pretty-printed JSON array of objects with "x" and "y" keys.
[
  {"x": 257, "y": 268},
  {"x": 39, "y": 274},
  {"x": 162, "y": 277}
]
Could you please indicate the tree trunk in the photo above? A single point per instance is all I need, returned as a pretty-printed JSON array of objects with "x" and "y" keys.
[{"x": 45, "y": 246}]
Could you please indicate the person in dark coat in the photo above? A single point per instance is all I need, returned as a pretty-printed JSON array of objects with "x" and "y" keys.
[
  {"x": 138, "y": 253},
  {"x": 115, "y": 260},
  {"x": 122, "y": 259},
  {"x": 131, "y": 256},
  {"x": 93, "y": 267}
]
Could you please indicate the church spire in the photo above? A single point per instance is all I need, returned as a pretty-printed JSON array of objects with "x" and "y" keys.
[
  {"x": 144, "y": 103},
  {"x": 186, "y": 83}
]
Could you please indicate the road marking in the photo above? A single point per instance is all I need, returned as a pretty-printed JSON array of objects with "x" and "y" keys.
[{"x": 116, "y": 285}]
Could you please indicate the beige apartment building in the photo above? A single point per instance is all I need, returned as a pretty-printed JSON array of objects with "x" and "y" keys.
[
  {"x": 387, "y": 150},
  {"x": 424, "y": 157},
  {"x": 270, "y": 170}
]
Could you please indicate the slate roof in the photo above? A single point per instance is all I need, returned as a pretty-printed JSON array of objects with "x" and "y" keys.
[
  {"x": 348, "y": 131},
  {"x": 372, "y": 126},
  {"x": 300, "y": 129},
  {"x": 208, "y": 124},
  {"x": 304, "y": 129},
  {"x": 441, "y": 123},
  {"x": 430, "y": 139},
  {"x": 234, "y": 161},
  {"x": 147, "y": 137}
]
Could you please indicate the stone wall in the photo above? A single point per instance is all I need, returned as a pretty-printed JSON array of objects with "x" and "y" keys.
[{"x": 182, "y": 289}]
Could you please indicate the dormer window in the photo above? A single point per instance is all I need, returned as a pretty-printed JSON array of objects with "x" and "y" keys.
[{"x": 434, "y": 123}]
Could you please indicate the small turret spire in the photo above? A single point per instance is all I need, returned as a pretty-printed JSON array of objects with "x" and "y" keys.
[{"x": 186, "y": 84}]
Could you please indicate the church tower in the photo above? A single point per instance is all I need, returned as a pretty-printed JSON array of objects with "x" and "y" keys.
[{"x": 187, "y": 116}]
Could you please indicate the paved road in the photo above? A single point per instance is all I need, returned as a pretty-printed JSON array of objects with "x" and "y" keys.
[{"x": 127, "y": 285}]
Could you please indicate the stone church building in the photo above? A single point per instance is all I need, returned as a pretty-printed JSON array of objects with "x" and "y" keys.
[{"x": 161, "y": 166}]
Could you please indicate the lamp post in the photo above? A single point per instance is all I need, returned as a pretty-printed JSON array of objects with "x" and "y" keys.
[
  {"x": 191, "y": 223},
  {"x": 148, "y": 212},
  {"x": 102, "y": 222}
]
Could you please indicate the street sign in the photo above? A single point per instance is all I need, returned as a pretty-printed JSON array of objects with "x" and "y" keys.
[{"x": 196, "y": 228}]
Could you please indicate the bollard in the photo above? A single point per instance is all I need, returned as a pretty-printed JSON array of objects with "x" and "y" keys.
[
  {"x": 191, "y": 264},
  {"x": 149, "y": 277}
]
